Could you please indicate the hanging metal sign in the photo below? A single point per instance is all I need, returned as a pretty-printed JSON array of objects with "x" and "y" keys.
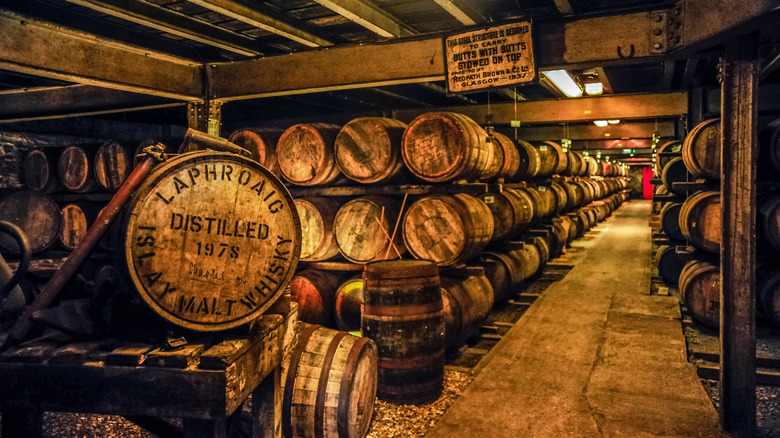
[{"x": 493, "y": 57}]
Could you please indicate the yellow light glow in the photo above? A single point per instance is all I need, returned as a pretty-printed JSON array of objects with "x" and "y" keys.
[
  {"x": 613, "y": 122},
  {"x": 594, "y": 88},
  {"x": 607, "y": 134},
  {"x": 564, "y": 81},
  {"x": 600, "y": 123}
]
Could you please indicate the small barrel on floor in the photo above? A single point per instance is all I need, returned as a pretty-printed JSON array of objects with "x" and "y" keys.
[
  {"x": 329, "y": 385},
  {"x": 402, "y": 314}
]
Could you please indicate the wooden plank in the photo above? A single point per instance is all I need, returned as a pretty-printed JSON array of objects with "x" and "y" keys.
[
  {"x": 623, "y": 107},
  {"x": 739, "y": 153},
  {"x": 267, "y": 407},
  {"x": 38, "y": 48},
  {"x": 220, "y": 356},
  {"x": 765, "y": 362},
  {"x": 185, "y": 357},
  {"x": 762, "y": 377},
  {"x": 30, "y": 352},
  {"x": 369, "y": 16},
  {"x": 167, "y": 20},
  {"x": 707, "y": 23},
  {"x": 129, "y": 354},
  {"x": 340, "y": 68},
  {"x": 80, "y": 352},
  {"x": 263, "y": 20},
  {"x": 463, "y": 11}
]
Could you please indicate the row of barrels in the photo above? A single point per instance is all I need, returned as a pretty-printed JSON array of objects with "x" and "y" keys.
[
  {"x": 77, "y": 168},
  {"x": 48, "y": 225},
  {"x": 334, "y": 298},
  {"x": 702, "y": 146},
  {"x": 435, "y": 147},
  {"x": 443, "y": 228}
]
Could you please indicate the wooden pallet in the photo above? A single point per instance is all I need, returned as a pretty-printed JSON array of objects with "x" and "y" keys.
[{"x": 202, "y": 384}]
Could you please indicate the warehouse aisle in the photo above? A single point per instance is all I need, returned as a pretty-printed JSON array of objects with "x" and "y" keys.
[{"x": 592, "y": 357}]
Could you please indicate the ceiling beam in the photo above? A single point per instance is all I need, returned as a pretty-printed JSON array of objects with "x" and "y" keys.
[
  {"x": 368, "y": 16},
  {"x": 627, "y": 130},
  {"x": 622, "y": 107},
  {"x": 72, "y": 101},
  {"x": 167, "y": 20},
  {"x": 462, "y": 11},
  {"x": 340, "y": 68},
  {"x": 709, "y": 22},
  {"x": 564, "y": 7},
  {"x": 263, "y": 20},
  {"x": 43, "y": 49}
]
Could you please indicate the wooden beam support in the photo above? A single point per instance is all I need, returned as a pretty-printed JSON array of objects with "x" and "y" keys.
[
  {"x": 739, "y": 153},
  {"x": 38, "y": 48},
  {"x": 707, "y": 23},
  {"x": 564, "y": 7},
  {"x": 369, "y": 16},
  {"x": 342, "y": 68},
  {"x": 622, "y": 107},
  {"x": 71, "y": 101},
  {"x": 263, "y": 20},
  {"x": 462, "y": 11},
  {"x": 629, "y": 130},
  {"x": 170, "y": 21}
]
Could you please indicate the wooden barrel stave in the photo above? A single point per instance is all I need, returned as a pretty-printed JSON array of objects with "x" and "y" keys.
[
  {"x": 74, "y": 167},
  {"x": 317, "y": 215},
  {"x": 39, "y": 170},
  {"x": 112, "y": 165},
  {"x": 305, "y": 154},
  {"x": 261, "y": 143}
]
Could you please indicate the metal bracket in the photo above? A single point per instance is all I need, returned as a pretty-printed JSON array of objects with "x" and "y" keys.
[{"x": 666, "y": 29}]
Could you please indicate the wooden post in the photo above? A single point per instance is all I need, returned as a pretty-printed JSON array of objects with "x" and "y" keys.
[
  {"x": 737, "y": 254},
  {"x": 267, "y": 407}
]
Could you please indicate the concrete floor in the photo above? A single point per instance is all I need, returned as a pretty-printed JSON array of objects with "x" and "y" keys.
[{"x": 593, "y": 357}]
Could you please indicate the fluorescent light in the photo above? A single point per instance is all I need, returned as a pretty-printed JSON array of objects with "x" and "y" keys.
[
  {"x": 564, "y": 81},
  {"x": 594, "y": 88},
  {"x": 613, "y": 122},
  {"x": 600, "y": 123}
]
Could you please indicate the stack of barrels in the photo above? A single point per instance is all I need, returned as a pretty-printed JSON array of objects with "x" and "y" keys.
[
  {"x": 768, "y": 227},
  {"x": 486, "y": 240},
  {"x": 79, "y": 171},
  {"x": 691, "y": 221}
]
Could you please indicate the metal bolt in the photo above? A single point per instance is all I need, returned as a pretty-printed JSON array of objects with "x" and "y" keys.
[
  {"x": 677, "y": 39},
  {"x": 658, "y": 18},
  {"x": 657, "y": 32},
  {"x": 657, "y": 46},
  {"x": 677, "y": 11}
]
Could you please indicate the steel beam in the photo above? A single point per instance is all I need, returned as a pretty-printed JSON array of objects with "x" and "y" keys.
[
  {"x": 369, "y": 65},
  {"x": 263, "y": 20},
  {"x": 622, "y": 107},
  {"x": 38, "y": 48},
  {"x": 368, "y": 16},
  {"x": 71, "y": 101},
  {"x": 167, "y": 20},
  {"x": 739, "y": 154}
]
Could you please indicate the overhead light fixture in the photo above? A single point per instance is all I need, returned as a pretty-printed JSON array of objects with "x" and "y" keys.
[
  {"x": 607, "y": 134},
  {"x": 613, "y": 122},
  {"x": 594, "y": 88},
  {"x": 600, "y": 123},
  {"x": 564, "y": 81}
]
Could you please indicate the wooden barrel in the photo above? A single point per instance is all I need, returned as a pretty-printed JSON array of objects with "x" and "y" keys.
[
  {"x": 467, "y": 301},
  {"x": 330, "y": 381},
  {"x": 701, "y": 150},
  {"x": 562, "y": 161},
  {"x": 39, "y": 170},
  {"x": 592, "y": 166},
  {"x": 562, "y": 203},
  {"x": 524, "y": 200},
  {"x": 73, "y": 226},
  {"x": 75, "y": 169},
  {"x": 368, "y": 149},
  {"x": 577, "y": 225},
  {"x": 570, "y": 228},
  {"x": 37, "y": 216},
  {"x": 213, "y": 240},
  {"x": 769, "y": 152},
  {"x": 510, "y": 163},
  {"x": 349, "y": 299},
  {"x": 530, "y": 161},
  {"x": 670, "y": 220},
  {"x": 675, "y": 171},
  {"x": 493, "y": 162},
  {"x": 511, "y": 213},
  {"x": 402, "y": 314},
  {"x": 305, "y": 154},
  {"x": 317, "y": 215},
  {"x": 664, "y": 154},
  {"x": 543, "y": 246},
  {"x": 700, "y": 291},
  {"x": 364, "y": 226},
  {"x": 447, "y": 229},
  {"x": 548, "y": 158},
  {"x": 700, "y": 220},
  {"x": 668, "y": 263},
  {"x": 559, "y": 237},
  {"x": 501, "y": 272},
  {"x": 315, "y": 293},
  {"x": 768, "y": 294},
  {"x": 112, "y": 166},
  {"x": 573, "y": 163},
  {"x": 537, "y": 203},
  {"x": 549, "y": 202},
  {"x": 528, "y": 260},
  {"x": 443, "y": 146},
  {"x": 261, "y": 143},
  {"x": 769, "y": 222}
]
